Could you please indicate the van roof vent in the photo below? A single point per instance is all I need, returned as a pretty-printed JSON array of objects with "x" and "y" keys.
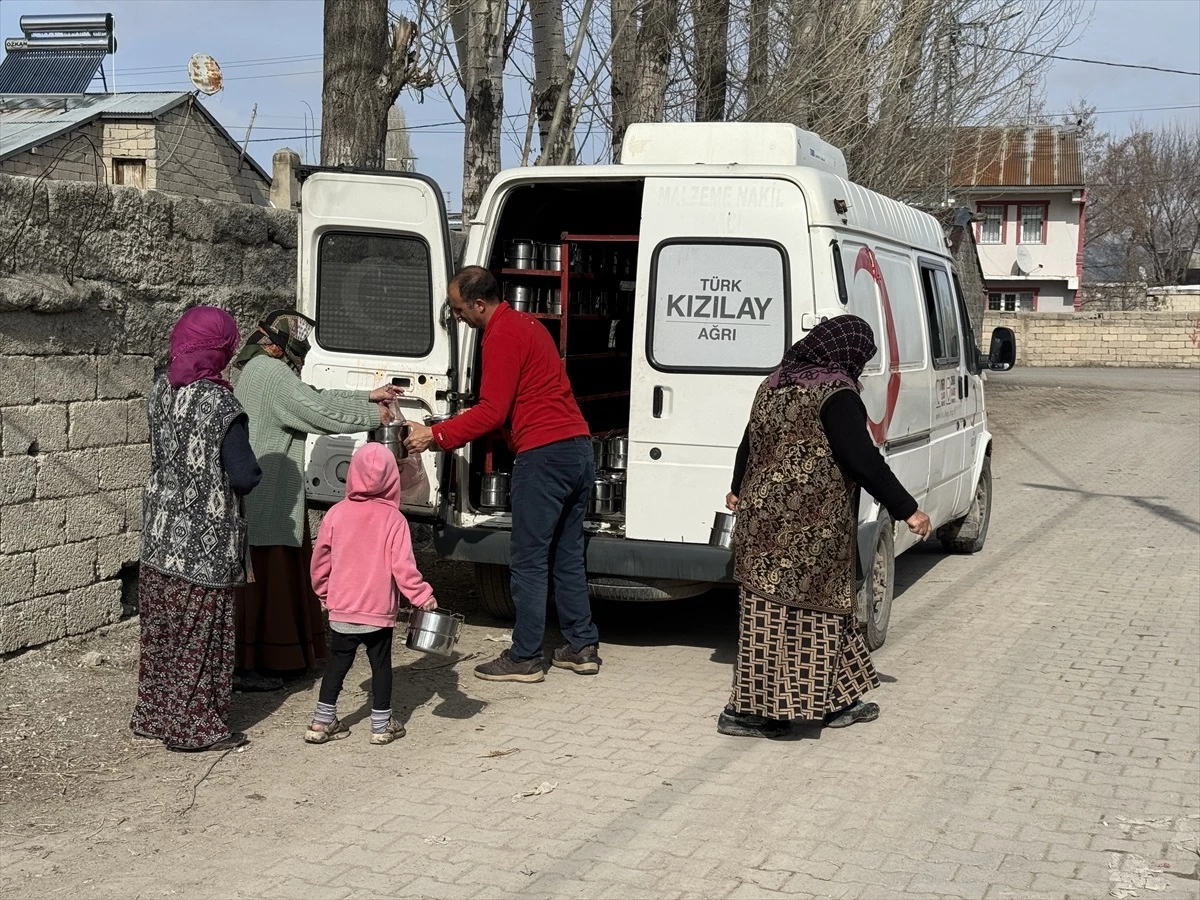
[{"x": 729, "y": 143}]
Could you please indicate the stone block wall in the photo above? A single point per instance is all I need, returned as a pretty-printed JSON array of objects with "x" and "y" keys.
[
  {"x": 1140, "y": 339},
  {"x": 91, "y": 281}
]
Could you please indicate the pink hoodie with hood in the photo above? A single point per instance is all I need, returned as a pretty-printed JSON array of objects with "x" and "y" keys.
[{"x": 363, "y": 559}]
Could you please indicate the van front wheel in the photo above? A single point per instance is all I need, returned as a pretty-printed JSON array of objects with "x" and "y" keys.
[
  {"x": 875, "y": 598},
  {"x": 495, "y": 590},
  {"x": 968, "y": 534}
]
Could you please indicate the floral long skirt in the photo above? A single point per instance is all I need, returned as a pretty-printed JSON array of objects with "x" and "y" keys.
[
  {"x": 185, "y": 675},
  {"x": 797, "y": 664}
]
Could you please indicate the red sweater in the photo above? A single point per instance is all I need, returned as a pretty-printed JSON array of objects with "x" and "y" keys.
[{"x": 525, "y": 389}]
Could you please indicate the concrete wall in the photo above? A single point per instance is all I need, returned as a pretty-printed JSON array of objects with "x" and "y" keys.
[
  {"x": 1140, "y": 296},
  {"x": 183, "y": 153},
  {"x": 1138, "y": 339},
  {"x": 91, "y": 281},
  {"x": 1058, "y": 256}
]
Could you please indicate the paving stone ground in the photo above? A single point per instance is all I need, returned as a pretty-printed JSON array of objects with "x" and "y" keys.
[{"x": 1040, "y": 734}]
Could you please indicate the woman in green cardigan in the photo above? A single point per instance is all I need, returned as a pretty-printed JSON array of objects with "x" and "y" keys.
[{"x": 280, "y": 628}]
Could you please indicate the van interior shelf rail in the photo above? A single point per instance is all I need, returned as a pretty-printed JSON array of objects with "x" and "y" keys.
[
  {"x": 545, "y": 273},
  {"x": 599, "y": 238}
]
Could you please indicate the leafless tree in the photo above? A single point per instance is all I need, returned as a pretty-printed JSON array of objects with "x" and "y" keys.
[
  {"x": 479, "y": 28},
  {"x": 367, "y": 65},
  {"x": 1144, "y": 205}
]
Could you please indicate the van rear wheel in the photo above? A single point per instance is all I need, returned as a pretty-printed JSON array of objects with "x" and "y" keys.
[
  {"x": 876, "y": 597},
  {"x": 968, "y": 534},
  {"x": 495, "y": 590}
]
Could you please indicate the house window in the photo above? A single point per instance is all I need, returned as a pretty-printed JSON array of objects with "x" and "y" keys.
[
  {"x": 130, "y": 172},
  {"x": 991, "y": 225},
  {"x": 1012, "y": 301},
  {"x": 1033, "y": 223}
]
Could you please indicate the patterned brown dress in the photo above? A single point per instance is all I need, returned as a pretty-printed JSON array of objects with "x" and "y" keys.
[{"x": 800, "y": 653}]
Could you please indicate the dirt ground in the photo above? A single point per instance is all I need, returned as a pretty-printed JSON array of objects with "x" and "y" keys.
[{"x": 64, "y": 736}]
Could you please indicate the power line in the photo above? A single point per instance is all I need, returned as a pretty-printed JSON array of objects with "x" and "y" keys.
[
  {"x": 1091, "y": 62},
  {"x": 234, "y": 64}
]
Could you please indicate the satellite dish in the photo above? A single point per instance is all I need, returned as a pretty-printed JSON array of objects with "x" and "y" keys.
[
  {"x": 205, "y": 74},
  {"x": 1024, "y": 261}
]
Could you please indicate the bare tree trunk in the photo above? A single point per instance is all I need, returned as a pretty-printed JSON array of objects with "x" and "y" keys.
[
  {"x": 484, "y": 88},
  {"x": 364, "y": 74},
  {"x": 624, "y": 37},
  {"x": 757, "y": 61},
  {"x": 652, "y": 61},
  {"x": 710, "y": 20},
  {"x": 550, "y": 73},
  {"x": 905, "y": 46}
]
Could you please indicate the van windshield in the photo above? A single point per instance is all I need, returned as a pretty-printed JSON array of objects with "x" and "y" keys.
[{"x": 718, "y": 306}]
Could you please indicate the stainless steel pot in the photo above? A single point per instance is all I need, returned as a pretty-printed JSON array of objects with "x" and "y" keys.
[
  {"x": 598, "y": 453},
  {"x": 722, "y": 530},
  {"x": 603, "y": 500},
  {"x": 522, "y": 255},
  {"x": 618, "y": 453},
  {"x": 520, "y": 297},
  {"x": 496, "y": 490},
  {"x": 552, "y": 257},
  {"x": 392, "y": 437},
  {"x": 554, "y": 301},
  {"x": 433, "y": 631}
]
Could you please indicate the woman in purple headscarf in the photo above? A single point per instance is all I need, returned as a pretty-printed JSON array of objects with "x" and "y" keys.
[
  {"x": 193, "y": 540},
  {"x": 795, "y": 487}
]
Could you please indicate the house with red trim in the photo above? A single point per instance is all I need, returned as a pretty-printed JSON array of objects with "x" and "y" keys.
[{"x": 1026, "y": 187}]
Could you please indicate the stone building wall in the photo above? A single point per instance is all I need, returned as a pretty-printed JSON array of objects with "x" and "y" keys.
[
  {"x": 91, "y": 281},
  {"x": 1138, "y": 339}
]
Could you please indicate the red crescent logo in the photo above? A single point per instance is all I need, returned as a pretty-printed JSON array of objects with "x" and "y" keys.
[{"x": 866, "y": 261}]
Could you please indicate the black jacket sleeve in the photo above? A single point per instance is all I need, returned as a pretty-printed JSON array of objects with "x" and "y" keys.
[
  {"x": 739, "y": 463},
  {"x": 238, "y": 458},
  {"x": 845, "y": 421}
]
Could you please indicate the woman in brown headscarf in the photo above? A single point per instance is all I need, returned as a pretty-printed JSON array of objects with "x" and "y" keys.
[{"x": 795, "y": 490}]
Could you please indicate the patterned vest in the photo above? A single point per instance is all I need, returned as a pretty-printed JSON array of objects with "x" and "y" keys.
[
  {"x": 193, "y": 525},
  {"x": 794, "y": 535}
]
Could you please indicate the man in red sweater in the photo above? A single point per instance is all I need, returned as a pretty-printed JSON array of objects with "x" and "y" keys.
[{"x": 525, "y": 389}]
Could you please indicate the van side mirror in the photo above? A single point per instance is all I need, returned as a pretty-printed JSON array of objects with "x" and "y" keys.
[{"x": 1002, "y": 355}]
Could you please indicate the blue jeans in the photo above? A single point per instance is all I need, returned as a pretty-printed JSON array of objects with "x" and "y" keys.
[{"x": 551, "y": 486}]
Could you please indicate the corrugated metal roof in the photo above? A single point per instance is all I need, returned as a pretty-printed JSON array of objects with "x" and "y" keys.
[
  {"x": 49, "y": 71},
  {"x": 26, "y": 121},
  {"x": 1017, "y": 156}
]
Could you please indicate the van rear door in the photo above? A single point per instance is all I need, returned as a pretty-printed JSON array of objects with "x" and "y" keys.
[
  {"x": 723, "y": 267},
  {"x": 374, "y": 263}
]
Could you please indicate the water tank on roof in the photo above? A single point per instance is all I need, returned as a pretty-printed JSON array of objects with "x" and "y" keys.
[{"x": 729, "y": 143}]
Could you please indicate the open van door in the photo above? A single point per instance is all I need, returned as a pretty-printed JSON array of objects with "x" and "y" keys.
[
  {"x": 374, "y": 264},
  {"x": 724, "y": 275}
]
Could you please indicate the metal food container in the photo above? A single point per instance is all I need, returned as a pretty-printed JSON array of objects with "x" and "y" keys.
[
  {"x": 722, "y": 530},
  {"x": 552, "y": 257},
  {"x": 392, "y": 437},
  {"x": 497, "y": 491},
  {"x": 433, "y": 631},
  {"x": 554, "y": 301},
  {"x": 617, "y": 453},
  {"x": 598, "y": 453},
  {"x": 520, "y": 297},
  {"x": 603, "y": 501},
  {"x": 522, "y": 255}
]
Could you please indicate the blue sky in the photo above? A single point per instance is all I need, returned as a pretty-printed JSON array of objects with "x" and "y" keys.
[{"x": 156, "y": 38}]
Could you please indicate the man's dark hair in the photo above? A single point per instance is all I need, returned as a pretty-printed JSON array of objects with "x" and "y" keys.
[{"x": 477, "y": 283}]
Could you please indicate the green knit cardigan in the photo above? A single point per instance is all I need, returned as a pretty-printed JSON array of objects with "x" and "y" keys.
[{"x": 283, "y": 410}]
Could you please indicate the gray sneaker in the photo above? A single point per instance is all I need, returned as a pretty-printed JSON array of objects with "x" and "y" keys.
[
  {"x": 505, "y": 668},
  {"x": 585, "y": 662}
]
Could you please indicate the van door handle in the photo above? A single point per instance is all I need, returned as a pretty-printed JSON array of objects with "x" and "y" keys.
[{"x": 658, "y": 402}]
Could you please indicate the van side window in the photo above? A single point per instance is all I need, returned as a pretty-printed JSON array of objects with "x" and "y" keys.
[
  {"x": 374, "y": 294},
  {"x": 944, "y": 336},
  {"x": 864, "y": 302},
  {"x": 970, "y": 345}
]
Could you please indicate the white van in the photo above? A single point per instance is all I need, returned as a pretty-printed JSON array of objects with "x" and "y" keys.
[{"x": 685, "y": 273}]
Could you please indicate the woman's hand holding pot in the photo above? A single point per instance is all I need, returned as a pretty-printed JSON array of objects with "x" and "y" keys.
[
  {"x": 731, "y": 501},
  {"x": 427, "y": 605}
]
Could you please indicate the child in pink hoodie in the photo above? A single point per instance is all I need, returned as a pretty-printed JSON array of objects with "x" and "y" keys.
[{"x": 362, "y": 562}]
